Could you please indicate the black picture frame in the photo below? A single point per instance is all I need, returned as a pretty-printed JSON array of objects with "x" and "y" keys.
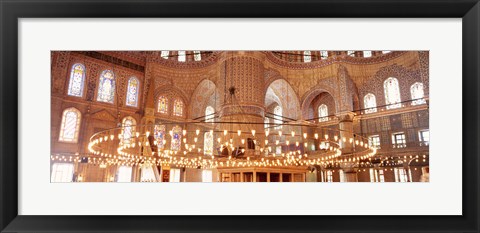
[{"x": 11, "y": 11}]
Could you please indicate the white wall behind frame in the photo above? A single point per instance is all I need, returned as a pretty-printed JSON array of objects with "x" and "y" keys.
[{"x": 37, "y": 196}]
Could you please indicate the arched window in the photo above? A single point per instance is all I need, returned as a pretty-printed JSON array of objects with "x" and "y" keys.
[
  {"x": 70, "y": 125},
  {"x": 162, "y": 105},
  {"x": 182, "y": 56},
  {"x": 176, "y": 135},
  {"x": 178, "y": 107},
  {"x": 128, "y": 130},
  {"x": 106, "y": 87},
  {"x": 417, "y": 93},
  {"x": 132, "y": 92},
  {"x": 159, "y": 135},
  {"x": 370, "y": 103},
  {"x": 209, "y": 114},
  {"x": 164, "y": 54},
  {"x": 367, "y": 53},
  {"x": 208, "y": 143},
  {"x": 392, "y": 93},
  {"x": 323, "y": 113},
  {"x": 277, "y": 119},
  {"x": 197, "y": 56},
  {"x": 77, "y": 80},
  {"x": 307, "y": 56},
  {"x": 351, "y": 53}
]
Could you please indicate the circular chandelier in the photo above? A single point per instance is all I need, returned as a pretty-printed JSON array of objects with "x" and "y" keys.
[{"x": 214, "y": 145}]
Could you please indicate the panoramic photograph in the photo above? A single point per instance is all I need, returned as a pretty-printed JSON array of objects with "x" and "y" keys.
[{"x": 240, "y": 116}]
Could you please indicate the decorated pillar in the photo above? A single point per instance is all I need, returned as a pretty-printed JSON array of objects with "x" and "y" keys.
[{"x": 242, "y": 88}]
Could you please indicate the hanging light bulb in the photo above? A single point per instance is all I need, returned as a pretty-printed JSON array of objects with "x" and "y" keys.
[
  {"x": 280, "y": 133},
  {"x": 239, "y": 132},
  {"x": 326, "y": 136},
  {"x": 305, "y": 135},
  {"x": 287, "y": 142},
  {"x": 253, "y": 132},
  {"x": 225, "y": 132},
  {"x": 335, "y": 138},
  {"x": 197, "y": 132},
  {"x": 266, "y": 141},
  {"x": 137, "y": 134},
  {"x": 293, "y": 133},
  {"x": 195, "y": 139},
  {"x": 316, "y": 136},
  {"x": 276, "y": 142},
  {"x": 184, "y": 140},
  {"x": 243, "y": 141},
  {"x": 297, "y": 143},
  {"x": 267, "y": 132},
  {"x": 219, "y": 140},
  {"x": 344, "y": 139}
]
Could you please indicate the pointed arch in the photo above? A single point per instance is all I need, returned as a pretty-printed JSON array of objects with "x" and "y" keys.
[
  {"x": 133, "y": 88},
  {"x": 128, "y": 129},
  {"x": 322, "y": 113},
  {"x": 178, "y": 107},
  {"x": 370, "y": 103},
  {"x": 416, "y": 90},
  {"x": 392, "y": 93},
  {"x": 106, "y": 87},
  {"x": 70, "y": 126},
  {"x": 176, "y": 141},
  {"x": 77, "y": 80}
]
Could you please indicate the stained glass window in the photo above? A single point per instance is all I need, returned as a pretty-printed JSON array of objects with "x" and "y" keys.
[
  {"x": 370, "y": 103},
  {"x": 417, "y": 93},
  {"x": 392, "y": 93},
  {"x": 77, "y": 80},
  {"x": 277, "y": 119},
  {"x": 163, "y": 104},
  {"x": 307, "y": 56},
  {"x": 323, "y": 113},
  {"x": 367, "y": 53},
  {"x": 197, "y": 56},
  {"x": 159, "y": 135},
  {"x": 209, "y": 114},
  {"x": 324, "y": 54},
  {"x": 178, "y": 108},
  {"x": 128, "y": 129},
  {"x": 182, "y": 56},
  {"x": 164, "y": 54},
  {"x": 106, "y": 87},
  {"x": 70, "y": 125},
  {"x": 176, "y": 138},
  {"x": 208, "y": 143},
  {"x": 132, "y": 92}
]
